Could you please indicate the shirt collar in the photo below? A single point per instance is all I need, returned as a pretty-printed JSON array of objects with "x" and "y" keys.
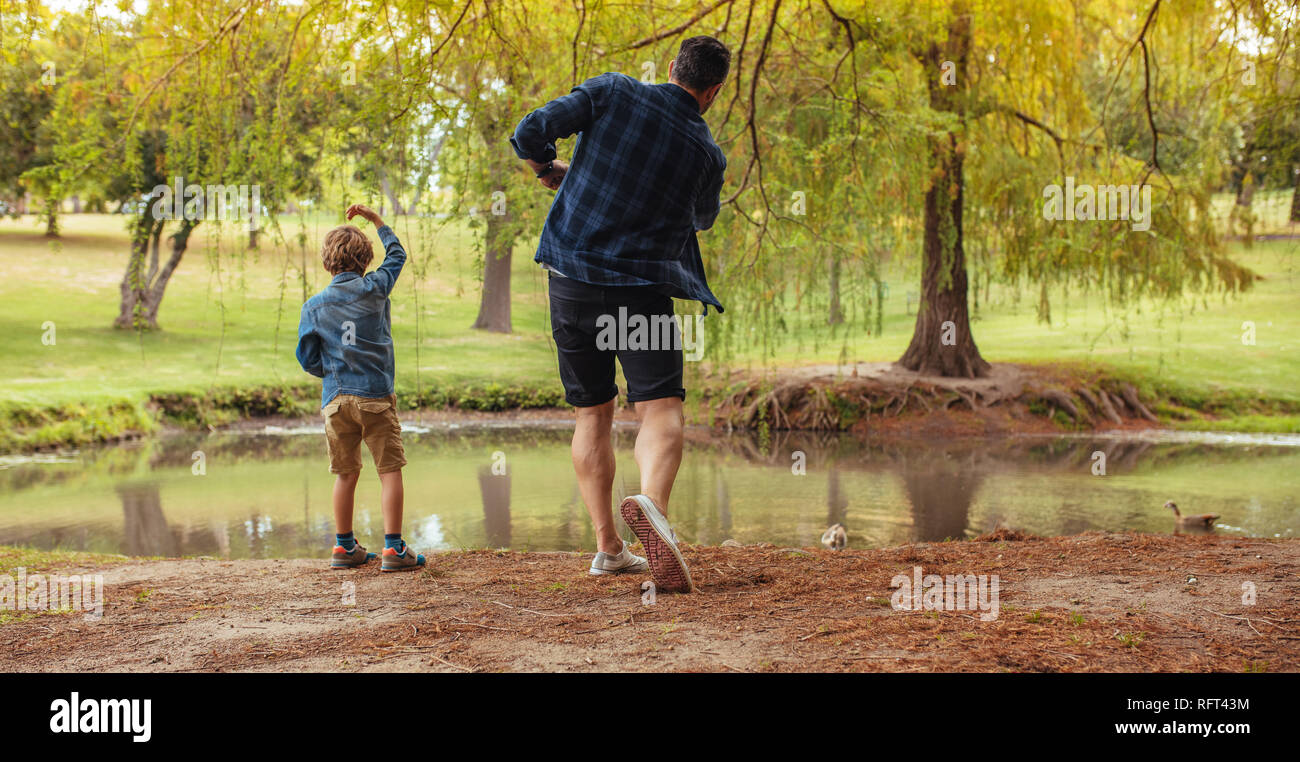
[
  {"x": 343, "y": 277},
  {"x": 684, "y": 97}
]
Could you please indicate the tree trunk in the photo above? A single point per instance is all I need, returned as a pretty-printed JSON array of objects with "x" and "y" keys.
[
  {"x": 1295, "y": 199},
  {"x": 1242, "y": 214},
  {"x": 142, "y": 292},
  {"x": 252, "y": 239},
  {"x": 1246, "y": 192},
  {"x": 499, "y": 238},
  {"x": 494, "y": 309},
  {"x": 880, "y": 306},
  {"x": 432, "y": 161},
  {"x": 942, "y": 344},
  {"x": 836, "y": 316},
  {"x": 391, "y": 194},
  {"x": 51, "y": 218},
  {"x": 134, "y": 280}
]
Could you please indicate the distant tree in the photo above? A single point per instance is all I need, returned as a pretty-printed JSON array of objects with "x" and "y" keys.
[
  {"x": 29, "y": 69},
  {"x": 221, "y": 103}
]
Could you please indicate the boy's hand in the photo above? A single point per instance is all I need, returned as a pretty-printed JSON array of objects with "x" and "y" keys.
[{"x": 364, "y": 212}]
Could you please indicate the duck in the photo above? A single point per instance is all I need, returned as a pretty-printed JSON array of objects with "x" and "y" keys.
[
  {"x": 835, "y": 537},
  {"x": 1202, "y": 521}
]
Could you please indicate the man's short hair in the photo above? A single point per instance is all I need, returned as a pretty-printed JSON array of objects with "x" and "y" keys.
[
  {"x": 701, "y": 62},
  {"x": 346, "y": 249}
]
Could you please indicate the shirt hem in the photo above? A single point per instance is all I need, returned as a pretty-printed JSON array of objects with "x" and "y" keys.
[{"x": 355, "y": 393}]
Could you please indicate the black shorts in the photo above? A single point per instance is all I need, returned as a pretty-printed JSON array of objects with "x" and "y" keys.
[{"x": 594, "y": 324}]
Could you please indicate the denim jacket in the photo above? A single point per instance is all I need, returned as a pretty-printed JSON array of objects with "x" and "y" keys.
[{"x": 345, "y": 334}]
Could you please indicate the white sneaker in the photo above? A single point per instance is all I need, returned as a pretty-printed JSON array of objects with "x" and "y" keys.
[
  {"x": 623, "y": 561},
  {"x": 660, "y": 542}
]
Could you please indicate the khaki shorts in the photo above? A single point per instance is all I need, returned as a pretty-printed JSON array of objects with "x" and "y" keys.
[{"x": 350, "y": 419}]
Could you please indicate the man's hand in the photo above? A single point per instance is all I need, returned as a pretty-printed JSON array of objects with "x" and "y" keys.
[
  {"x": 552, "y": 179},
  {"x": 364, "y": 212}
]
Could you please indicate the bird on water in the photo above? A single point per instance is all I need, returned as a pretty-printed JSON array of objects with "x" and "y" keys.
[{"x": 1203, "y": 521}]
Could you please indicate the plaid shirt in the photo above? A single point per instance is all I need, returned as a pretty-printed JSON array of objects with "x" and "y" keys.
[{"x": 645, "y": 175}]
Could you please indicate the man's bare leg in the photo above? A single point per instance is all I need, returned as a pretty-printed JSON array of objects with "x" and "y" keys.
[
  {"x": 593, "y": 461},
  {"x": 659, "y": 447}
]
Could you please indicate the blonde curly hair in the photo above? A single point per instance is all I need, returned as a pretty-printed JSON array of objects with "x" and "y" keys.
[{"x": 346, "y": 249}]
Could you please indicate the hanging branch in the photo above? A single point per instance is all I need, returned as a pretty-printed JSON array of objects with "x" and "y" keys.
[
  {"x": 755, "y": 159},
  {"x": 581, "y": 7},
  {"x": 751, "y": 121},
  {"x": 682, "y": 27},
  {"x": 228, "y": 26},
  {"x": 740, "y": 71},
  {"x": 1146, "y": 85}
]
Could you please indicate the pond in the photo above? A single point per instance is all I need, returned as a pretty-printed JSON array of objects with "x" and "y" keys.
[{"x": 267, "y": 494}]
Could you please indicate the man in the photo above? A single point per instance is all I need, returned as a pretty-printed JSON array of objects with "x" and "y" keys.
[{"x": 619, "y": 243}]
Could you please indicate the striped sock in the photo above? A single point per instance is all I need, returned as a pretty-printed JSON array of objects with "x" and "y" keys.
[
  {"x": 395, "y": 541},
  {"x": 346, "y": 541}
]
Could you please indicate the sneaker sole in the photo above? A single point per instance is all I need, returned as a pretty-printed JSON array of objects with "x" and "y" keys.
[
  {"x": 666, "y": 563},
  {"x": 344, "y": 563}
]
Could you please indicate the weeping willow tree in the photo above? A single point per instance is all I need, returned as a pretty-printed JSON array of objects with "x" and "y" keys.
[
  {"x": 191, "y": 114},
  {"x": 861, "y": 137},
  {"x": 453, "y": 79},
  {"x": 980, "y": 108},
  {"x": 30, "y": 61}
]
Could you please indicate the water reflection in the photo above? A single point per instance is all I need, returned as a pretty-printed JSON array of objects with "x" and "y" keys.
[
  {"x": 837, "y": 503},
  {"x": 940, "y": 488},
  {"x": 496, "y": 506},
  {"x": 144, "y": 525},
  {"x": 268, "y": 496}
]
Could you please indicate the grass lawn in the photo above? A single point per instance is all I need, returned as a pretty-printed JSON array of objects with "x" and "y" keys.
[
  {"x": 1193, "y": 343},
  {"x": 230, "y": 318}
]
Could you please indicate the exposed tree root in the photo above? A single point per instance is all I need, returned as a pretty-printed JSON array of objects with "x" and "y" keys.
[{"x": 851, "y": 402}]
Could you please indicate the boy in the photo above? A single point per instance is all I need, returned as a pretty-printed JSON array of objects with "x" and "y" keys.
[{"x": 345, "y": 339}]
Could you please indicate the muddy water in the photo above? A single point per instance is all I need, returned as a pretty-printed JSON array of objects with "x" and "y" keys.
[{"x": 268, "y": 494}]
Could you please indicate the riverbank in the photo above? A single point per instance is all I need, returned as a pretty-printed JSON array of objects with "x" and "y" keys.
[
  {"x": 1091, "y": 602},
  {"x": 868, "y": 399}
]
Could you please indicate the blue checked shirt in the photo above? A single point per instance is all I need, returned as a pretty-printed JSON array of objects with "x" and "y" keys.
[{"x": 645, "y": 175}]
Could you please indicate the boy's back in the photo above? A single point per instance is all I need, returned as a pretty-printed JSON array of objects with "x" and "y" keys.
[{"x": 345, "y": 335}]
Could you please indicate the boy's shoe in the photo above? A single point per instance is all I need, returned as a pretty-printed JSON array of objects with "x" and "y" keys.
[
  {"x": 616, "y": 563},
  {"x": 404, "y": 561},
  {"x": 344, "y": 559},
  {"x": 660, "y": 543}
]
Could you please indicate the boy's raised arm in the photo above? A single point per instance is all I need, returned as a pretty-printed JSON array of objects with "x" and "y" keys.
[
  {"x": 394, "y": 259},
  {"x": 394, "y": 254}
]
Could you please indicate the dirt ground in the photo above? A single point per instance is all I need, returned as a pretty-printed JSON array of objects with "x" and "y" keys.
[{"x": 1093, "y": 602}]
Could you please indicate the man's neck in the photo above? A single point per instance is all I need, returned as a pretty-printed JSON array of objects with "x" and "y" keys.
[{"x": 698, "y": 103}]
